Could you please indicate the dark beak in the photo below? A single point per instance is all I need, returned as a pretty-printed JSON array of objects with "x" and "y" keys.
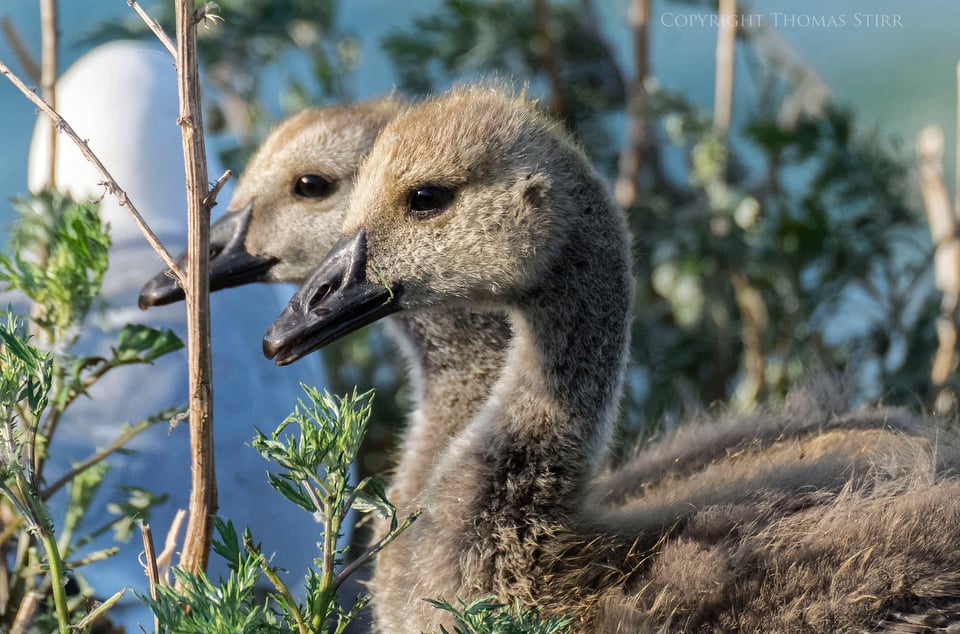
[
  {"x": 335, "y": 301},
  {"x": 230, "y": 264}
]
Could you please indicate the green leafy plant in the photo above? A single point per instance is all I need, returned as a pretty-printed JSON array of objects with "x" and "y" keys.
[
  {"x": 313, "y": 450},
  {"x": 58, "y": 263},
  {"x": 488, "y": 615},
  {"x": 753, "y": 249}
]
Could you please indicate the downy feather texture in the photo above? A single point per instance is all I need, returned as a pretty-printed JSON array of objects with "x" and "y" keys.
[
  {"x": 294, "y": 192},
  {"x": 802, "y": 518}
]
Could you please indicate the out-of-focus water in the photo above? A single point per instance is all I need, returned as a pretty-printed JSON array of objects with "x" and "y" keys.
[{"x": 895, "y": 62}]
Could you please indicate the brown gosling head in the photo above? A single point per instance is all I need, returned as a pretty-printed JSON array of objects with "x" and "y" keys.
[
  {"x": 464, "y": 198},
  {"x": 288, "y": 206}
]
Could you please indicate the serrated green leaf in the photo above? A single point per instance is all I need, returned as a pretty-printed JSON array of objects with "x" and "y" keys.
[
  {"x": 373, "y": 498},
  {"x": 144, "y": 343},
  {"x": 293, "y": 493}
]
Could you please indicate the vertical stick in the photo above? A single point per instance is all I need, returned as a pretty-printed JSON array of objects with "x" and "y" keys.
[
  {"x": 631, "y": 155},
  {"x": 150, "y": 565},
  {"x": 548, "y": 57},
  {"x": 203, "y": 494},
  {"x": 48, "y": 78},
  {"x": 723, "y": 91},
  {"x": 946, "y": 256},
  {"x": 956, "y": 156}
]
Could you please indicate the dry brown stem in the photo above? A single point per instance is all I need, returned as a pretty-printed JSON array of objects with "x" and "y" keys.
[
  {"x": 48, "y": 79},
  {"x": 754, "y": 319},
  {"x": 549, "y": 59},
  {"x": 165, "y": 558},
  {"x": 203, "y": 492},
  {"x": 638, "y": 133},
  {"x": 723, "y": 92},
  {"x": 28, "y": 609},
  {"x": 110, "y": 184},
  {"x": 946, "y": 255},
  {"x": 211, "y": 198},
  {"x": 150, "y": 567},
  {"x": 956, "y": 183},
  {"x": 30, "y": 66},
  {"x": 156, "y": 28}
]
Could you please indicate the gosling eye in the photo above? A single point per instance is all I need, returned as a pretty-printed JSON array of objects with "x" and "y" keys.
[
  {"x": 313, "y": 186},
  {"x": 428, "y": 201}
]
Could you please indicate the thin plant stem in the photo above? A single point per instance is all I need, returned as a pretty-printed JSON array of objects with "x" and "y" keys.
[
  {"x": 331, "y": 530},
  {"x": 20, "y": 49},
  {"x": 28, "y": 607},
  {"x": 156, "y": 28},
  {"x": 637, "y": 147},
  {"x": 56, "y": 578},
  {"x": 371, "y": 552},
  {"x": 282, "y": 589},
  {"x": 117, "y": 444},
  {"x": 150, "y": 565},
  {"x": 99, "y": 611},
  {"x": 723, "y": 93},
  {"x": 956, "y": 183},
  {"x": 165, "y": 558},
  {"x": 110, "y": 183},
  {"x": 548, "y": 57},
  {"x": 203, "y": 492},
  {"x": 48, "y": 80}
]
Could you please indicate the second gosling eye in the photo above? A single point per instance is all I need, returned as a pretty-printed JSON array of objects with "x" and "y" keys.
[
  {"x": 313, "y": 186},
  {"x": 429, "y": 201}
]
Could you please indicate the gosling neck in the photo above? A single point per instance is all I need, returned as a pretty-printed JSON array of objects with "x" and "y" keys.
[
  {"x": 455, "y": 358},
  {"x": 558, "y": 399}
]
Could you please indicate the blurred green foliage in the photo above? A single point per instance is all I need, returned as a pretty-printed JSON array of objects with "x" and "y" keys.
[
  {"x": 796, "y": 246},
  {"x": 59, "y": 256},
  {"x": 312, "y": 451},
  {"x": 748, "y": 279},
  {"x": 488, "y": 615}
]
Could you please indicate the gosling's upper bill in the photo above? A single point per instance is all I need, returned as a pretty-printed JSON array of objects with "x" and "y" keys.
[
  {"x": 450, "y": 205},
  {"x": 284, "y": 201}
]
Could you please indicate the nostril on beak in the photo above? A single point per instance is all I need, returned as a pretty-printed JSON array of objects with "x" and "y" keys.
[
  {"x": 314, "y": 306},
  {"x": 215, "y": 250},
  {"x": 315, "y": 303}
]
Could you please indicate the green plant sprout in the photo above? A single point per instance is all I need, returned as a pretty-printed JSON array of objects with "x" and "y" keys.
[
  {"x": 59, "y": 258},
  {"x": 489, "y": 615},
  {"x": 313, "y": 449}
]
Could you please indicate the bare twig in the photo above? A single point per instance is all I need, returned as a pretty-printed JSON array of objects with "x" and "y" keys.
[
  {"x": 109, "y": 183},
  {"x": 723, "y": 93},
  {"x": 203, "y": 492},
  {"x": 48, "y": 79},
  {"x": 156, "y": 28},
  {"x": 165, "y": 558},
  {"x": 946, "y": 262},
  {"x": 935, "y": 199},
  {"x": 280, "y": 586},
  {"x": 754, "y": 319},
  {"x": 150, "y": 566},
  {"x": 638, "y": 134},
  {"x": 548, "y": 57},
  {"x": 20, "y": 50},
  {"x": 28, "y": 609},
  {"x": 371, "y": 552},
  {"x": 118, "y": 443},
  {"x": 98, "y": 612},
  {"x": 956, "y": 184},
  {"x": 211, "y": 198}
]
